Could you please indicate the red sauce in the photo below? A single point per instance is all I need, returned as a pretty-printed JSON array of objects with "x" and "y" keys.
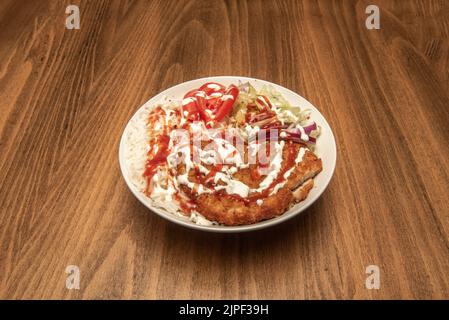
[
  {"x": 254, "y": 172},
  {"x": 186, "y": 206},
  {"x": 158, "y": 158},
  {"x": 211, "y": 175},
  {"x": 160, "y": 144},
  {"x": 279, "y": 179}
]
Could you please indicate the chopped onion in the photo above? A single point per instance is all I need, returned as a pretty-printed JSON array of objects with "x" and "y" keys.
[
  {"x": 244, "y": 87},
  {"x": 309, "y": 128},
  {"x": 295, "y": 136}
]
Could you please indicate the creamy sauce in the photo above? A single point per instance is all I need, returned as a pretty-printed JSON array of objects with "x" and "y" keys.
[
  {"x": 213, "y": 86},
  {"x": 274, "y": 168},
  {"x": 186, "y": 101},
  {"x": 304, "y": 136}
]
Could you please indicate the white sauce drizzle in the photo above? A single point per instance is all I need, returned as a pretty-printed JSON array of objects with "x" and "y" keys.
[
  {"x": 304, "y": 136},
  {"x": 227, "y": 97},
  {"x": 213, "y": 86},
  {"x": 232, "y": 186},
  {"x": 274, "y": 168},
  {"x": 186, "y": 101}
]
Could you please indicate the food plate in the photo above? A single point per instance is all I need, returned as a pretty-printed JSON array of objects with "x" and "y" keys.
[{"x": 325, "y": 149}]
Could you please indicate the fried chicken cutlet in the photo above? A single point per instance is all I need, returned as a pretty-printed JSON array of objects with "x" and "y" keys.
[{"x": 236, "y": 210}]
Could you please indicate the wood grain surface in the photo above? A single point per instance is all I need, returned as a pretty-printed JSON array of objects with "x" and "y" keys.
[{"x": 66, "y": 96}]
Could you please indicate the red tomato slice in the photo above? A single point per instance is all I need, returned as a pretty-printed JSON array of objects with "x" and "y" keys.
[
  {"x": 227, "y": 102},
  {"x": 201, "y": 105},
  {"x": 219, "y": 104}
]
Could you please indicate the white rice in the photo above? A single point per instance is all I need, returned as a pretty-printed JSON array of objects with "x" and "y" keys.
[
  {"x": 137, "y": 147},
  {"x": 135, "y": 152}
]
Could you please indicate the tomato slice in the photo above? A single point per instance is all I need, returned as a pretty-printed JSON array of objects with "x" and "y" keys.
[
  {"x": 210, "y": 99},
  {"x": 226, "y": 102},
  {"x": 201, "y": 105}
]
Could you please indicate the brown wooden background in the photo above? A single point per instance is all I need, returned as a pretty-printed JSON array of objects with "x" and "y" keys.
[{"x": 66, "y": 95}]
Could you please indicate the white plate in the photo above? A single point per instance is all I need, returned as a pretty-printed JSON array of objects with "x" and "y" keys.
[{"x": 325, "y": 149}]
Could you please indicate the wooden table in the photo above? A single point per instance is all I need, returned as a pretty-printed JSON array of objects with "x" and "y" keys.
[{"x": 66, "y": 96}]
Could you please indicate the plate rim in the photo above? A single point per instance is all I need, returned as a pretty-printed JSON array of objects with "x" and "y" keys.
[{"x": 219, "y": 228}]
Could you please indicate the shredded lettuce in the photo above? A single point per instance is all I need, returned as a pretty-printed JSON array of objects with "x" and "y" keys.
[
  {"x": 285, "y": 112},
  {"x": 291, "y": 116}
]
